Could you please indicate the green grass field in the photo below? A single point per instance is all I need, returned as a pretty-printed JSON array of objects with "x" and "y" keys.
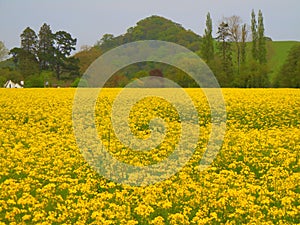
[{"x": 277, "y": 54}]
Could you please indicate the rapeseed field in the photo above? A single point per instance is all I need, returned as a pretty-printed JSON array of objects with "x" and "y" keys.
[{"x": 255, "y": 178}]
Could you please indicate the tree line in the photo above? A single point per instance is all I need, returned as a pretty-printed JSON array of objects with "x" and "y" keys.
[
  {"x": 228, "y": 53},
  {"x": 237, "y": 53}
]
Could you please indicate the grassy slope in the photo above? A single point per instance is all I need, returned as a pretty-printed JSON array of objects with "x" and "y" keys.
[{"x": 278, "y": 52}]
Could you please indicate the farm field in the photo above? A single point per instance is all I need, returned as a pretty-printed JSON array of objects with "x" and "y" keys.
[{"x": 255, "y": 178}]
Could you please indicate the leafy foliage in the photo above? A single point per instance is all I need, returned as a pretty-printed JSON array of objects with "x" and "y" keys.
[
  {"x": 64, "y": 44},
  {"x": 225, "y": 53},
  {"x": 153, "y": 28},
  {"x": 87, "y": 56},
  {"x": 29, "y": 41},
  {"x": 46, "y": 52}
]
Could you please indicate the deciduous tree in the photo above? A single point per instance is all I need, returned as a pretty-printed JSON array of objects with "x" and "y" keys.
[
  {"x": 225, "y": 50},
  {"x": 238, "y": 35}
]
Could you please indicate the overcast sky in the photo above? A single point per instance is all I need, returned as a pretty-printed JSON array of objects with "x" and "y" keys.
[{"x": 88, "y": 20}]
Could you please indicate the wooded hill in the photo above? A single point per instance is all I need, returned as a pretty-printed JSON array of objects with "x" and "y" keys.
[{"x": 159, "y": 28}]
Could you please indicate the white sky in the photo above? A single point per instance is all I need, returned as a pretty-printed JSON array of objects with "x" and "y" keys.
[{"x": 88, "y": 20}]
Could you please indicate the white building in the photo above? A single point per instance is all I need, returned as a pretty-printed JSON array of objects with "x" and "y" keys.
[{"x": 10, "y": 84}]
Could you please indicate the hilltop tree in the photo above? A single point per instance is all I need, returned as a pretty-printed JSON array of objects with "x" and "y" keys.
[
  {"x": 207, "y": 41},
  {"x": 107, "y": 42},
  {"x": 64, "y": 44},
  {"x": 45, "y": 47},
  {"x": 27, "y": 52},
  {"x": 26, "y": 56},
  {"x": 29, "y": 41}
]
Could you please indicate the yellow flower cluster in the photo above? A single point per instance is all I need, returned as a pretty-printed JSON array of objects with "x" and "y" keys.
[{"x": 255, "y": 179}]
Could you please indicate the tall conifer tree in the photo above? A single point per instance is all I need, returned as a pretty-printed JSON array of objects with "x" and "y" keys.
[
  {"x": 207, "y": 42},
  {"x": 45, "y": 46}
]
